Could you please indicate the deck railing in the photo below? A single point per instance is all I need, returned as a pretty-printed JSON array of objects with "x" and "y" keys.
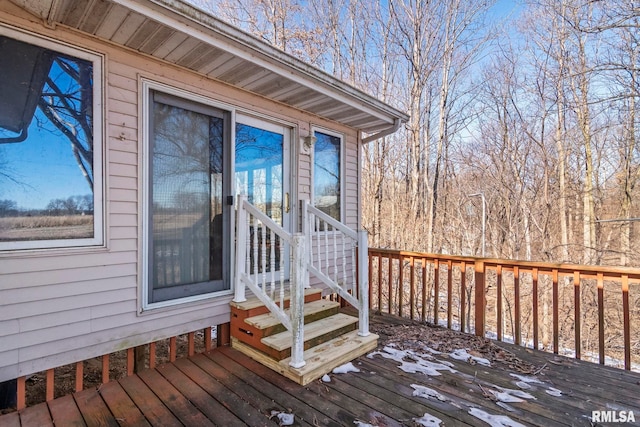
[
  {"x": 325, "y": 249},
  {"x": 262, "y": 248},
  {"x": 337, "y": 256},
  {"x": 579, "y": 310}
]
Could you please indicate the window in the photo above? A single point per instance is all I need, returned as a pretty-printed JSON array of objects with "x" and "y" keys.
[
  {"x": 188, "y": 237},
  {"x": 50, "y": 144},
  {"x": 327, "y": 180}
]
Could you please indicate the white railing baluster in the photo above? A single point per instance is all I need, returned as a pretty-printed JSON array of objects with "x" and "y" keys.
[
  {"x": 353, "y": 266},
  {"x": 254, "y": 264},
  {"x": 326, "y": 246},
  {"x": 272, "y": 264},
  {"x": 248, "y": 242},
  {"x": 263, "y": 257},
  {"x": 344, "y": 259},
  {"x": 281, "y": 249},
  {"x": 318, "y": 242},
  {"x": 335, "y": 257}
]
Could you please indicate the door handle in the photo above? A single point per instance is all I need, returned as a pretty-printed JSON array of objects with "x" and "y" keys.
[{"x": 287, "y": 204}]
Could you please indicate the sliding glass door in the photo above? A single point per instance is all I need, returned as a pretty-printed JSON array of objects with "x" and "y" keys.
[{"x": 189, "y": 217}]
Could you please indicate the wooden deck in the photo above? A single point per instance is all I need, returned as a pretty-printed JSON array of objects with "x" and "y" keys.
[{"x": 226, "y": 388}]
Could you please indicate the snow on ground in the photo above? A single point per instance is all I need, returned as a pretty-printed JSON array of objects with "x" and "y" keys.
[
  {"x": 326, "y": 378},
  {"x": 346, "y": 368},
  {"x": 428, "y": 420}
]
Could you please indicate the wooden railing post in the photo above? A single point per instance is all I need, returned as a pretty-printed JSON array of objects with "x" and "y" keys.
[
  {"x": 363, "y": 282},
  {"x": 297, "y": 301},
  {"x": 479, "y": 298},
  {"x": 241, "y": 250}
]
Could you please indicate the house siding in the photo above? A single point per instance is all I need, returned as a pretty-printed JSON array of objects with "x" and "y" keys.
[{"x": 61, "y": 306}]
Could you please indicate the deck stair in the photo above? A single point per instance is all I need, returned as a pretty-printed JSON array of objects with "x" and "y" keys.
[{"x": 330, "y": 338}]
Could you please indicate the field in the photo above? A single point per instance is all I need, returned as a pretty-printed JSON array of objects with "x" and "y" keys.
[{"x": 46, "y": 227}]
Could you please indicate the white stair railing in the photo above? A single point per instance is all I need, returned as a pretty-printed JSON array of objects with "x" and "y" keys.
[
  {"x": 335, "y": 253},
  {"x": 261, "y": 248}
]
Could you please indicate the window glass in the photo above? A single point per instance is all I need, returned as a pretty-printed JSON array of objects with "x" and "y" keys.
[
  {"x": 49, "y": 162},
  {"x": 259, "y": 164},
  {"x": 187, "y": 218},
  {"x": 326, "y": 174}
]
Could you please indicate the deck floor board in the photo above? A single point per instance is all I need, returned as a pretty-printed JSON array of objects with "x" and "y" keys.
[
  {"x": 285, "y": 400},
  {"x": 227, "y": 388},
  {"x": 121, "y": 405},
  {"x": 93, "y": 409},
  {"x": 246, "y": 413},
  {"x": 65, "y": 412},
  {"x": 149, "y": 404},
  {"x": 37, "y": 415},
  {"x": 206, "y": 403}
]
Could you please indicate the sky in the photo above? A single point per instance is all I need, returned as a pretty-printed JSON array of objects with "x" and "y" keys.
[{"x": 42, "y": 167}]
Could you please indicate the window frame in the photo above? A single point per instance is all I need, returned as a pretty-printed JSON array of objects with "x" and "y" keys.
[
  {"x": 99, "y": 170},
  {"x": 341, "y": 168}
]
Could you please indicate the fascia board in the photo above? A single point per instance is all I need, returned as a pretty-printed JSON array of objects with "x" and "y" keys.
[{"x": 190, "y": 20}]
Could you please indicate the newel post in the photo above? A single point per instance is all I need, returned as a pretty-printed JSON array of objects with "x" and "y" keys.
[
  {"x": 297, "y": 300},
  {"x": 363, "y": 282},
  {"x": 241, "y": 250},
  {"x": 479, "y": 297},
  {"x": 305, "y": 223}
]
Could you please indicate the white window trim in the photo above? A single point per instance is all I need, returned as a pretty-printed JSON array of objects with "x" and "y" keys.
[
  {"x": 148, "y": 86},
  {"x": 342, "y": 169},
  {"x": 99, "y": 170}
]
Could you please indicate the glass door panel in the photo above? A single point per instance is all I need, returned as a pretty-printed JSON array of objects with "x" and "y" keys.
[
  {"x": 262, "y": 174},
  {"x": 188, "y": 219}
]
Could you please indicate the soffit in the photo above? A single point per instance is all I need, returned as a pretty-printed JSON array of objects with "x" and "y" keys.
[{"x": 178, "y": 33}]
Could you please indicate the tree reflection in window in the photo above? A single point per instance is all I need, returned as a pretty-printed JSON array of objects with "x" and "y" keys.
[
  {"x": 326, "y": 174},
  {"x": 259, "y": 173},
  {"x": 47, "y": 177}
]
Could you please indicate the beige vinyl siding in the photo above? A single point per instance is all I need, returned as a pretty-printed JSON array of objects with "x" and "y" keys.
[{"x": 61, "y": 306}]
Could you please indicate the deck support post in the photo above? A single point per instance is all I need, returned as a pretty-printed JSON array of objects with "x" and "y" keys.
[
  {"x": 223, "y": 334},
  {"x": 363, "y": 283},
  {"x": 299, "y": 266},
  {"x": 479, "y": 297}
]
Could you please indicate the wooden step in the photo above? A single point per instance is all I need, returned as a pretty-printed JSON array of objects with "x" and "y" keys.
[
  {"x": 254, "y": 307},
  {"x": 278, "y": 346},
  {"x": 320, "y": 360},
  {"x": 268, "y": 324}
]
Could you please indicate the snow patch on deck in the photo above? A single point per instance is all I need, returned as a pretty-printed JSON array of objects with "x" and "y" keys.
[
  {"x": 428, "y": 420},
  {"x": 427, "y": 393},
  {"x": 345, "y": 369},
  {"x": 494, "y": 420}
]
